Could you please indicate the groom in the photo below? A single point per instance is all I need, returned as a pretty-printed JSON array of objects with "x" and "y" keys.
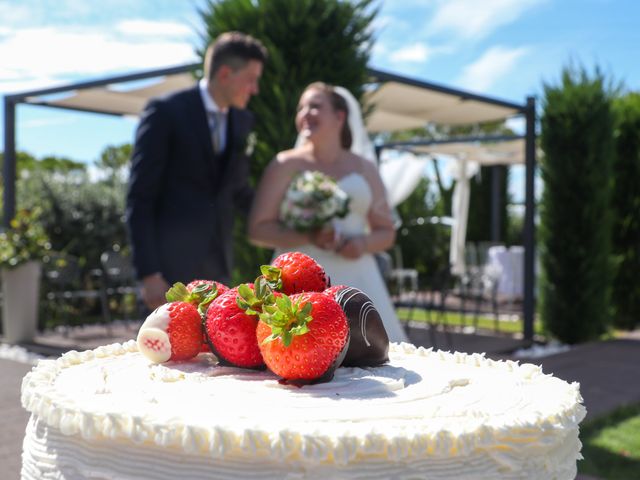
[{"x": 189, "y": 170}]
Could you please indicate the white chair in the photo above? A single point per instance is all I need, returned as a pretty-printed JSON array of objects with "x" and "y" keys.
[{"x": 405, "y": 280}]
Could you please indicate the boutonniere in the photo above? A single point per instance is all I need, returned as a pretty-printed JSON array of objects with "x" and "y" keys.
[{"x": 250, "y": 144}]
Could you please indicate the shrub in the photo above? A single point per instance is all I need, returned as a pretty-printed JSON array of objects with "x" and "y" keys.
[
  {"x": 82, "y": 218},
  {"x": 575, "y": 230},
  {"x": 626, "y": 207},
  {"x": 25, "y": 240}
]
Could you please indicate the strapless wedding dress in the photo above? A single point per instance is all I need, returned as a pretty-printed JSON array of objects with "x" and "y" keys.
[{"x": 363, "y": 272}]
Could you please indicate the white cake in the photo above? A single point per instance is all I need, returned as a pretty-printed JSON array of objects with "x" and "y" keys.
[{"x": 111, "y": 414}]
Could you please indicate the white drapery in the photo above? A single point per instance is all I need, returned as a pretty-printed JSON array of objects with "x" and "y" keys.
[
  {"x": 401, "y": 174},
  {"x": 462, "y": 170}
]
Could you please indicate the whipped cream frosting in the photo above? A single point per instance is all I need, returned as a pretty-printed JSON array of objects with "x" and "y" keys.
[{"x": 452, "y": 415}]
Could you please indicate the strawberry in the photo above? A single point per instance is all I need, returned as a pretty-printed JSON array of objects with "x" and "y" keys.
[
  {"x": 231, "y": 331},
  {"x": 199, "y": 293},
  {"x": 303, "y": 338},
  {"x": 207, "y": 286},
  {"x": 172, "y": 331},
  {"x": 295, "y": 272}
]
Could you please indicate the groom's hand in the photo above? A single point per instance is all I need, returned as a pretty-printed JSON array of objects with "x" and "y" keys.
[{"x": 154, "y": 289}]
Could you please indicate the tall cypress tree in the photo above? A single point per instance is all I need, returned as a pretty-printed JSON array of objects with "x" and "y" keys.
[
  {"x": 308, "y": 40},
  {"x": 626, "y": 206},
  {"x": 577, "y": 138}
]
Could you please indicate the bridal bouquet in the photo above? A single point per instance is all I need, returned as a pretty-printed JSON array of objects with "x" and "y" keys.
[{"x": 311, "y": 201}]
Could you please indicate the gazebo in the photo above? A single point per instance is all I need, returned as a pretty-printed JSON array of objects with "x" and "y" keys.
[{"x": 398, "y": 103}]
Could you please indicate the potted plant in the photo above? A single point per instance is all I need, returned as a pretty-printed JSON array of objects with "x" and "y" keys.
[{"x": 22, "y": 248}]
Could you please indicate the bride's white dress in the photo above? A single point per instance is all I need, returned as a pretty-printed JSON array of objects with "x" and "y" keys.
[{"x": 361, "y": 273}]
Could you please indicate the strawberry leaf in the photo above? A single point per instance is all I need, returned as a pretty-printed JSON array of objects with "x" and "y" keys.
[
  {"x": 286, "y": 319},
  {"x": 273, "y": 276},
  {"x": 245, "y": 291},
  {"x": 300, "y": 329},
  {"x": 284, "y": 304},
  {"x": 177, "y": 293},
  {"x": 204, "y": 289},
  {"x": 306, "y": 309},
  {"x": 286, "y": 337},
  {"x": 206, "y": 300},
  {"x": 242, "y": 304},
  {"x": 270, "y": 338}
]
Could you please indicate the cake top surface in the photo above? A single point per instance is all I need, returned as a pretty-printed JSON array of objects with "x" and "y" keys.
[{"x": 422, "y": 399}]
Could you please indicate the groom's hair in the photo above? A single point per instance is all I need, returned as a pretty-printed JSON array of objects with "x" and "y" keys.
[
  {"x": 338, "y": 103},
  {"x": 234, "y": 49}
]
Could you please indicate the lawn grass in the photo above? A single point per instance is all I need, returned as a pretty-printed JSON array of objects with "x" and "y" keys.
[
  {"x": 455, "y": 319},
  {"x": 611, "y": 445}
]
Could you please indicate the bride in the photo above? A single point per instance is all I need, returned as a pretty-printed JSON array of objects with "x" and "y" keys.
[{"x": 327, "y": 128}]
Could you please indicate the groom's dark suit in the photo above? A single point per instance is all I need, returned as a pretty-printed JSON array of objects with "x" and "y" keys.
[{"x": 181, "y": 197}]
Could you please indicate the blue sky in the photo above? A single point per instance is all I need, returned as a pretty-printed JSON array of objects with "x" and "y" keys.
[{"x": 502, "y": 48}]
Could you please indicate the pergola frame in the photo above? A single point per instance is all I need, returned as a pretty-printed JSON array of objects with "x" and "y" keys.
[{"x": 528, "y": 110}]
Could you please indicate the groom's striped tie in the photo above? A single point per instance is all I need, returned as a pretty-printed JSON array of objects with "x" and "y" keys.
[{"x": 215, "y": 124}]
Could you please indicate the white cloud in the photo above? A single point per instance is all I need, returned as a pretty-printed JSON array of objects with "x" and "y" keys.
[
  {"x": 414, "y": 53},
  {"x": 476, "y": 19},
  {"x": 27, "y": 84},
  {"x": 379, "y": 50},
  {"x": 149, "y": 28},
  {"x": 495, "y": 63},
  {"x": 14, "y": 14},
  {"x": 33, "y": 55}
]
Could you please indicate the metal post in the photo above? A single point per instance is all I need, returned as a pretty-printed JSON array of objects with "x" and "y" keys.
[
  {"x": 529, "y": 222},
  {"x": 9, "y": 164}
]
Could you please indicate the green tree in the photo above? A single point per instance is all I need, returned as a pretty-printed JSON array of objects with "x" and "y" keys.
[
  {"x": 61, "y": 165},
  {"x": 575, "y": 230},
  {"x": 308, "y": 40},
  {"x": 114, "y": 161},
  {"x": 25, "y": 162},
  {"x": 626, "y": 206},
  {"x": 424, "y": 245}
]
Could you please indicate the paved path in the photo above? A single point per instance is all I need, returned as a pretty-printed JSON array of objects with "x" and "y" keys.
[{"x": 607, "y": 372}]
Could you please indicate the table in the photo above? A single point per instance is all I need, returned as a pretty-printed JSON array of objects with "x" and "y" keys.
[{"x": 509, "y": 262}]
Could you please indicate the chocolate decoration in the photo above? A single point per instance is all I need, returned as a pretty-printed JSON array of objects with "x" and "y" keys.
[{"x": 369, "y": 343}]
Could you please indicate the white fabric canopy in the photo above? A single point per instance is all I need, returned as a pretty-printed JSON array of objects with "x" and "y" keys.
[
  {"x": 400, "y": 106},
  {"x": 508, "y": 152},
  {"x": 398, "y": 103}
]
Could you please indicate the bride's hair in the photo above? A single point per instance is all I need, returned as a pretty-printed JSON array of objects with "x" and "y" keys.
[{"x": 339, "y": 103}]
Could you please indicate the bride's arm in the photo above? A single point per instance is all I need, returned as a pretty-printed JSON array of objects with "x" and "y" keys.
[
  {"x": 382, "y": 233},
  {"x": 264, "y": 227}
]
